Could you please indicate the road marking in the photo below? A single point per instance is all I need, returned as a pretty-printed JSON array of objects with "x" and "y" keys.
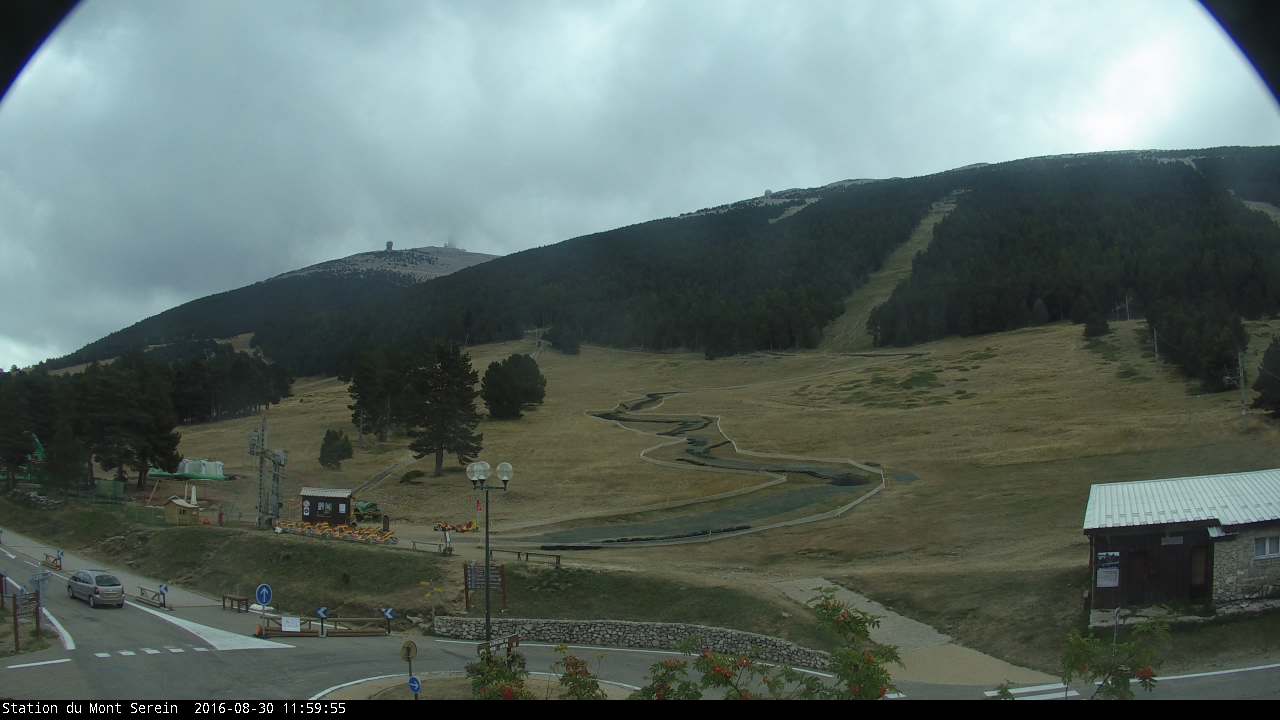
[
  {"x": 176, "y": 650},
  {"x": 149, "y": 651},
  {"x": 37, "y": 664},
  {"x": 68, "y": 642},
  {"x": 605, "y": 682},
  {"x": 1051, "y": 696},
  {"x": 1272, "y": 666},
  {"x": 219, "y": 639},
  {"x": 127, "y": 653},
  {"x": 322, "y": 693},
  {"x": 1058, "y": 687},
  {"x": 103, "y": 655},
  {"x": 201, "y": 649},
  {"x": 11, "y": 556}
]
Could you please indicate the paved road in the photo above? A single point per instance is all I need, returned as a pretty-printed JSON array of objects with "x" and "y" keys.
[{"x": 198, "y": 651}]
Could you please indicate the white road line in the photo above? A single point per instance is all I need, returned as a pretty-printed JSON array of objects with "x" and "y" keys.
[
  {"x": 149, "y": 651},
  {"x": 68, "y": 642},
  {"x": 201, "y": 649},
  {"x": 103, "y": 655},
  {"x": 322, "y": 693},
  {"x": 1029, "y": 689},
  {"x": 38, "y": 664},
  {"x": 217, "y": 638},
  {"x": 1050, "y": 696},
  {"x": 1272, "y": 666},
  {"x": 603, "y": 682},
  {"x": 176, "y": 650},
  {"x": 127, "y": 653},
  {"x": 11, "y": 556}
]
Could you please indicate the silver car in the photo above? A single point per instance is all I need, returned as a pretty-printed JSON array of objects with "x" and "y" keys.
[{"x": 96, "y": 587}]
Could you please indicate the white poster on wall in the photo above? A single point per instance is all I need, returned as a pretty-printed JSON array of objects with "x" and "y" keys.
[
  {"x": 290, "y": 624},
  {"x": 1108, "y": 565}
]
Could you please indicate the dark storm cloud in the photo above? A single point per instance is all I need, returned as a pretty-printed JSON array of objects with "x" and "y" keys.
[{"x": 158, "y": 151}]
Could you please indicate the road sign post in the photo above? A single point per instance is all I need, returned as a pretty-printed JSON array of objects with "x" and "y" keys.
[
  {"x": 323, "y": 614},
  {"x": 408, "y": 651}
]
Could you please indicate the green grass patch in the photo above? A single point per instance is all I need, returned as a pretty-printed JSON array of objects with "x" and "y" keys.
[
  {"x": 921, "y": 379},
  {"x": 572, "y": 593},
  {"x": 305, "y": 573},
  {"x": 1022, "y": 616},
  {"x": 1128, "y": 372},
  {"x": 1247, "y": 638},
  {"x": 1108, "y": 351}
]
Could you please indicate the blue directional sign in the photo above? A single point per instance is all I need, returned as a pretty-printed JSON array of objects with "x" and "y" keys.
[
  {"x": 388, "y": 613},
  {"x": 263, "y": 594},
  {"x": 322, "y": 613},
  {"x": 415, "y": 685}
]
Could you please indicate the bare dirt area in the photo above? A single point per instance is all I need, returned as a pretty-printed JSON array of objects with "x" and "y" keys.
[{"x": 989, "y": 443}]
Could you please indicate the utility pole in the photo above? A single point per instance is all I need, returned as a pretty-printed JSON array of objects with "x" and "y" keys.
[
  {"x": 1244, "y": 392},
  {"x": 1155, "y": 340},
  {"x": 258, "y": 446}
]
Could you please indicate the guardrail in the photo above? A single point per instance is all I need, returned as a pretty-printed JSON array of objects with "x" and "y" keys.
[
  {"x": 151, "y": 596},
  {"x": 439, "y": 546},
  {"x": 527, "y": 556},
  {"x": 274, "y": 626}
]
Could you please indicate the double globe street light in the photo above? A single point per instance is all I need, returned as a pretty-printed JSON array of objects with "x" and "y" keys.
[{"x": 478, "y": 473}]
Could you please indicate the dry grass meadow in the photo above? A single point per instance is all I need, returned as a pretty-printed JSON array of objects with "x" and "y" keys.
[{"x": 990, "y": 444}]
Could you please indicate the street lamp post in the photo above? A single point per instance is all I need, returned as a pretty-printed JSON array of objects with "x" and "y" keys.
[{"x": 478, "y": 473}]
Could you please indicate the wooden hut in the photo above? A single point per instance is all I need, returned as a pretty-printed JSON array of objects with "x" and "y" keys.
[{"x": 327, "y": 505}]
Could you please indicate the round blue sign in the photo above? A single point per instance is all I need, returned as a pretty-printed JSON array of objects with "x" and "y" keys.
[
  {"x": 415, "y": 685},
  {"x": 264, "y": 594}
]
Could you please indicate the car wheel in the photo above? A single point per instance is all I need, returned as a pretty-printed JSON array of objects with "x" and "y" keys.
[
  {"x": 93, "y": 601},
  {"x": 120, "y": 606}
]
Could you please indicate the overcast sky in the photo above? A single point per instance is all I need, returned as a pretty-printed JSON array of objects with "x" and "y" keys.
[{"x": 155, "y": 151}]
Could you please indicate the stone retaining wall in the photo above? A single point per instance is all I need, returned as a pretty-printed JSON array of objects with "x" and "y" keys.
[{"x": 619, "y": 633}]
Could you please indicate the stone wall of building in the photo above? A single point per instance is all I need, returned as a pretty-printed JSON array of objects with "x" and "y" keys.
[
  {"x": 618, "y": 633},
  {"x": 1238, "y": 575}
]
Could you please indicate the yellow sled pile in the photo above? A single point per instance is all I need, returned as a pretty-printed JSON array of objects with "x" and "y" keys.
[{"x": 372, "y": 536}]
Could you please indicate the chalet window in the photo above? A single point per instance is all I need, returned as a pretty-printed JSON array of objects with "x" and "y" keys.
[{"x": 1266, "y": 547}]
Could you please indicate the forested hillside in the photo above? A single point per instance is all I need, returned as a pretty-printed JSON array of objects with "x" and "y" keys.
[
  {"x": 1039, "y": 241},
  {"x": 319, "y": 289},
  {"x": 1031, "y": 241},
  {"x": 723, "y": 282}
]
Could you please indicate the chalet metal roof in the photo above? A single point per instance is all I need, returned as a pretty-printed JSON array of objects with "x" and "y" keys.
[
  {"x": 325, "y": 492},
  {"x": 1233, "y": 499}
]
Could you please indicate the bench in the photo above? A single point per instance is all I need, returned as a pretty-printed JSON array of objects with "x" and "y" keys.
[
  {"x": 239, "y": 603},
  {"x": 151, "y": 596}
]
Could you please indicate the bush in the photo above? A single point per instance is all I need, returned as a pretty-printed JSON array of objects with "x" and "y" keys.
[
  {"x": 564, "y": 339},
  {"x": 412, "y": 475},
  {"x": 335, "y": 448},
  {"x": 1096, "y": 326},
  {"x": 495, "y": 677},
  {"x": 511, "y": 385}
]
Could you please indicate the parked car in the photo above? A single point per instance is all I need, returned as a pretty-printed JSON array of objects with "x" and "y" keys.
[{"x": 96, "y": 587}]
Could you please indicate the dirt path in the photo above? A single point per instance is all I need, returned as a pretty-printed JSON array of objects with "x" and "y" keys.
[
  {"x": 927, "y": 655},
  {"x": 1270, "y": 210},
  {"x": 849, "y": 331}
]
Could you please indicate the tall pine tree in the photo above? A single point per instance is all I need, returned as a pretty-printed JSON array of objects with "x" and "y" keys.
[{"x": 444, "y": 418}]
